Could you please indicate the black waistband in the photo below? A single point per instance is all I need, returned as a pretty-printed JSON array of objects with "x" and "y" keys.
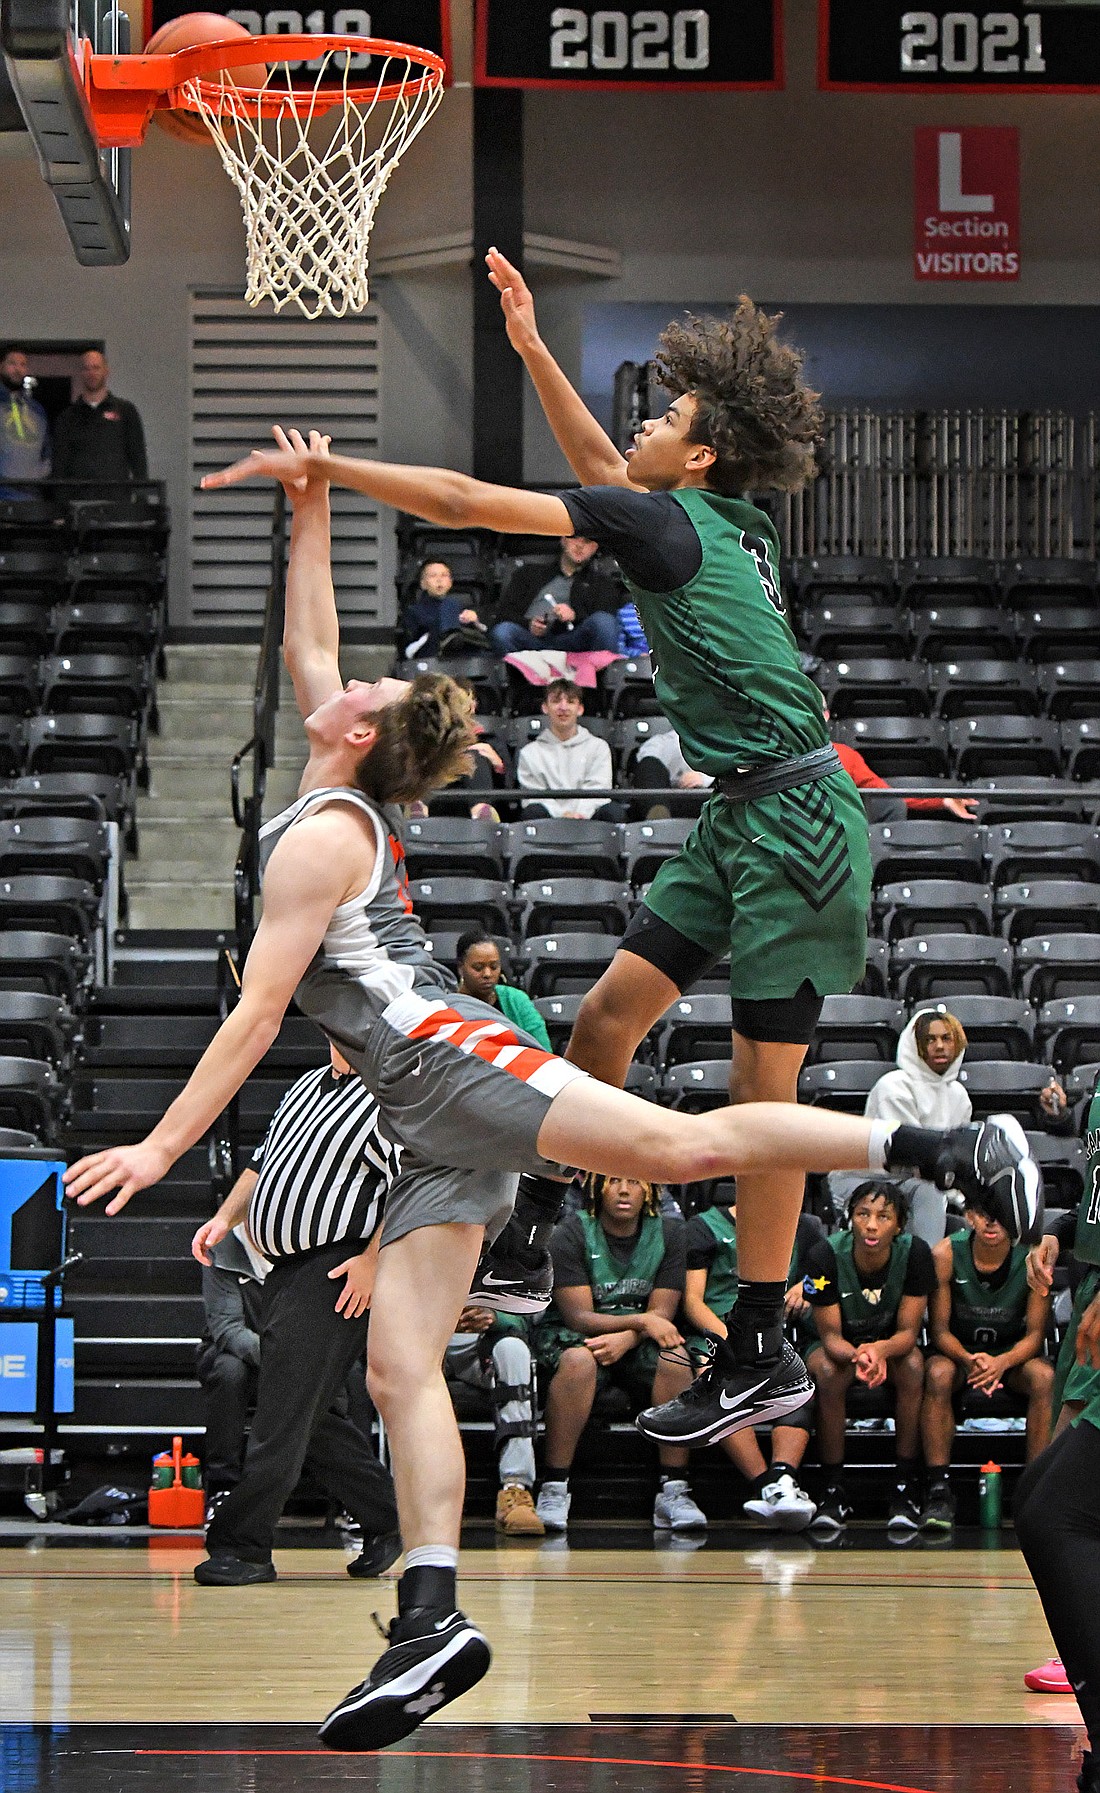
[{"x": 808, "y": 768}]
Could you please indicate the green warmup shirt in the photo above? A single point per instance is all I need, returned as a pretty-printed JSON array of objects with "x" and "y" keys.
[
  {"x": 617, "y": 1287},
  {"x": 518, "y": 1007},
  {"x": 1079, "y": 1382},
  {"x": 868, "y": 1302},
  {"x": 783, "y": 883},
  {"x": 985, "y": 1317}
]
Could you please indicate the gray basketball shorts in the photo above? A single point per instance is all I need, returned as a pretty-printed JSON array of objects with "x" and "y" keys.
[{"x": 464, "y": 1093}]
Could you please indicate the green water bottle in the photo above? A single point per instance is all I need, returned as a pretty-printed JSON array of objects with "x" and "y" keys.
[
  {"x": 989, "y": 1496},
  {"x": 163, "y": 1471}
]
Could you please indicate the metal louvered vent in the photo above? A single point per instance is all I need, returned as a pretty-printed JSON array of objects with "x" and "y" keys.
[{"x": 249, "y": 370}]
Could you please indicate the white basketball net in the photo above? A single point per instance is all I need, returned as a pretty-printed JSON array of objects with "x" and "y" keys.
[{"x": 310, "y": 171}]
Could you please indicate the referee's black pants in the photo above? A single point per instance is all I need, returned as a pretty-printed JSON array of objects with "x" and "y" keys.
[
  {"x": 1057, "y": 1519},
  {"x": 306, "y": 1352}
]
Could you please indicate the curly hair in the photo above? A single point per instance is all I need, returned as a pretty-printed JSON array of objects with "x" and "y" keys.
[
  {"x": 595, "y": 1184},
  {"x": 752, "y": 405},
  {"x": 422, "y": 742}
]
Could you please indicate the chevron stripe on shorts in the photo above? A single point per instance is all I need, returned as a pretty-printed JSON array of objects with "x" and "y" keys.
[{"x": 815, "y": 857}]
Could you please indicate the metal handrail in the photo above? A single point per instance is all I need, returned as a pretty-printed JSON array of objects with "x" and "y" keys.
[{"x": 260, "y": 748}]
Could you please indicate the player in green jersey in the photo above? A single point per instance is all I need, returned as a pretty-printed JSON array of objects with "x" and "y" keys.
[
  {"x": 987, "y": 1333},
  {"x": 1057, "y": 1507},
  {"x": 777, "y": 872}
]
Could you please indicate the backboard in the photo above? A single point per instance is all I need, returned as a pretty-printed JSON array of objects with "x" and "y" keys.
[{"x": 42, "y": 42}]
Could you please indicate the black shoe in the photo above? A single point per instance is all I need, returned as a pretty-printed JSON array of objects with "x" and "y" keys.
[
  {"x": 433, "y": 1657},
  {"x": 513, "y": 1277},
  {"x": 833, "y": 1513},
  {"x": 1088, "y": 1781},
  {"x": 213, "y": 1501},
  {"x": 993, "y": 1166},
  {"x": 905, "y": 1512},
  {"x": 729, "y": 1396},
  {"x": 938, "y": 1512},
  {"x": 224, "y": 1571},
  {"x": 378, "y": 1554}
]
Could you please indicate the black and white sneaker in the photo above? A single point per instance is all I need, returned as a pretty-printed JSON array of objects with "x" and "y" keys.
[
  {"x": 513, "y": 1277},
  {"x": 433, "y": 1657},
  {"x": 993, "y": 1166},
  {"x": 729, "y": 1396},
  {"x": 905, "y": 1510},
  {"x": 833, "y": 1513}
]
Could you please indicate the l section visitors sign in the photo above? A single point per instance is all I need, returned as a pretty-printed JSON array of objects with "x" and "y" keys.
[{"x": 966, "y": 191}]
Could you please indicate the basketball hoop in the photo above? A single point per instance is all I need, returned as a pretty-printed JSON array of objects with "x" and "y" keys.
[{"x": 310, "y": 152}]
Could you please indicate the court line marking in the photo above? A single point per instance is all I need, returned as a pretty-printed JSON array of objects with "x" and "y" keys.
[{"x": 477, "y": 1755}]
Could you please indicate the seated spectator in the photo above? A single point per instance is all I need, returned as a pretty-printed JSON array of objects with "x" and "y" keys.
[
  {"x": 710, "y": 1292},
  {"x": 925, "y": 1091},
  {"x": 618, "y": 1283},
  {"x": 632, "y": 637},
  {"x": 660, "y": 765},
  {"x": 895, "y": 809},
  {"x": 489, "y": 1352},
  {"x": 566, "y": 603},
  {"x": 988, "y": 1329},
  {"x": 430, "y": 616},
  {"x": 566, "y": 756},
  {"x": 868, "y": 1288},
  {"x": 24, "y": 429},
  {"x": 229, "y": 1356},
  {"x": 312, "y": 1201},
  {"x": 99, "y": 436},
  {"x": 480, "y": 974}
]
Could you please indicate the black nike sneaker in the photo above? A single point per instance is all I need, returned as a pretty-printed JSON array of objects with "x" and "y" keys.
[
  {"x": 993, "y": 1166},
  {"x": 938, "y": 1512},
  {"x": 833, "y": 1513},
  {"x": 729, "y": 1396},
  {"x": 433, "y": 1657},
  {"x": 513, "y": 1277},
  {"x": 905, "y": 1510},
  {"x": 1088, "y": 1781}
]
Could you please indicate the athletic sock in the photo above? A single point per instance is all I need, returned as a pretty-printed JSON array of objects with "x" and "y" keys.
[
  {"x": 756, "y": 1322},
  {"x": 907, "y": 1470},
  {"x": 779, "y": 1468},
  {"x": 913, "y": 1148},
  {"x": 539, "y": 1204},
  {"x": 429, "y": 1578},
  {"x": 558, "y": 1476},
  {"x": 758, "y": 1483}
]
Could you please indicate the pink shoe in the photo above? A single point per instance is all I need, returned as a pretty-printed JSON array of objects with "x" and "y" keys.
[{"x": 1050, "y": 1677}]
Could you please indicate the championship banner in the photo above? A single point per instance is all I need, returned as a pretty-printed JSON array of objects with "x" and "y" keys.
[
  {"x": 966, "y": 195},
  {"x": 425, "y": 23},
  {"x": 1016, "y": 46},
  {"x": 720, "y": 46}
]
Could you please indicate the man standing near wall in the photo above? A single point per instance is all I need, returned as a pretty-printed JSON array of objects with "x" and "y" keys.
[{"x": 99, "y": 436}]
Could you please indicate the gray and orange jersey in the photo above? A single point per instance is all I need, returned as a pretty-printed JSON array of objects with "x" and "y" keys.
[{"x": 374, "y": 949}]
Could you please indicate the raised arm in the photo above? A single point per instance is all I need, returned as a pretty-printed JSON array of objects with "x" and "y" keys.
[
  {"x": 306, "y": 879},
  {"x": 311, "y": 628},
  {"x": 585, "y": 443},
  {"x": 452, "y": 500}
]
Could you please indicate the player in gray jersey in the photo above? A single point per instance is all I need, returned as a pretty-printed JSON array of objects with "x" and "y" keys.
[{"x": 470, "y": 1099}]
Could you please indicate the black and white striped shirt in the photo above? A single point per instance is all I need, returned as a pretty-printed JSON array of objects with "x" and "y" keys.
[{"x": 323, "y": 1168}]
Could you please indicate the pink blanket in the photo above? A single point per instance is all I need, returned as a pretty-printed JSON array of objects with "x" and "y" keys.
[{"x": 540, "y": 665}]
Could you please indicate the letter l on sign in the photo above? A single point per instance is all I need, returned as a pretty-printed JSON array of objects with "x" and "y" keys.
[{"x": 952, "y": 197}]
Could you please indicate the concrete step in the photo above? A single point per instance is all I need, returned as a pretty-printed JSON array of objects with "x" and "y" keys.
[
  {"x": 226, "y": 720},
  {"x": 174, "y": 848},
  {"x": 210, "y": 663},
  {"x": 166, "y": 905}
]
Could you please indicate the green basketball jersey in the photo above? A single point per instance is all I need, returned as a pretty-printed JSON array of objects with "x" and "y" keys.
[
  {"x": 983, "y": 1318},
  {"x": 1086, "y": 1244},
  {"x": 867, "y": 1314},
  {"x": 726, "y": 666},
  {"x": 623, "y": 1288},
  {"x": 721, "y": 1289}
]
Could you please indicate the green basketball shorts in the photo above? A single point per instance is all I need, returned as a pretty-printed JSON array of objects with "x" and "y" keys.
[
  {"x": 1073, "y": 1381},
  {"x": 782, "y": 884}
]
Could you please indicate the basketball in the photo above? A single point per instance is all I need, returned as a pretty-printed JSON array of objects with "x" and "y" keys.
[{"x": 181, "y": 34}]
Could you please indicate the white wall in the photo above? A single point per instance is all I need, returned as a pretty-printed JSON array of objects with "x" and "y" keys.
[{"x": 796, "y": 196}]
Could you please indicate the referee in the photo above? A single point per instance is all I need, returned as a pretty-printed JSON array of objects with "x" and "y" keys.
[{"x": 313, "y": 1201}]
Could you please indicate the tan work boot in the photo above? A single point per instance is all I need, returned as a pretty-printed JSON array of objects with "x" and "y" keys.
[{"x": 516, "y": 1513}]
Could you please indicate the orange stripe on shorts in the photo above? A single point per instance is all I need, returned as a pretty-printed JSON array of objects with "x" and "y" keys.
[{"x": 523, "y": 1065}]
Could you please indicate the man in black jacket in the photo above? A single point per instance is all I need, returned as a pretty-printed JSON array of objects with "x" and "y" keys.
[
  {"x": 99, "y": 436},
  {"x": 565, "y": 603}
]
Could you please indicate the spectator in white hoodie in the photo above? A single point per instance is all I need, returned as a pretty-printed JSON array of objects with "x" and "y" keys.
[
  {"x": 566, "y": 756},
  {"x": 925, "y": 1091}
]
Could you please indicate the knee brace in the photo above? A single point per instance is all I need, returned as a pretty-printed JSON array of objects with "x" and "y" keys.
[{"x": 503, "y": 1394}]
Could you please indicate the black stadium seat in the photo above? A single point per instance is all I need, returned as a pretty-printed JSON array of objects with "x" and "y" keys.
[
  {"x": 565, "y": 964},
  {"x": 1057, "y": 632},
  {"x": 933, "y": 906},
  {"x": 454, "y": 846},
  {"x": 964, "y": 688},
  {"x": 876, "y": 976},
  {"x": 695, "y": 1027},
  {"x": 1064, "y": 1168},
  {"x": 37, "y": 959},
  {"x": 898, "y": 746},
  {"x": 459, "y": 903},
  {"x": 857, "y": 1027},
  {"x": 844, "y": 1086},
  {"x": 128, "y": 626},
  {"x": 1016, "y": 851},
  {"x": 945, "y": 580},
  {"x": 1001, "y": 746},
  {"x": 837, "y": 632},
  {"x": 996, "y": 1027},
  {"x": 31, "y": 1097},
  {"x": 38, "y": 900},
  {"x": 630, "y": 738},
  {"x": 1029, "y": 584},
  {"x": 35, "y": 1025},
  {"x": 553, "y": 847},
  {"x": 646, "y": 846},
  {"x": 962, "y": 634},
  {"x": 24, "y": 626},
  {"x": 13, "y": 746},
  {"x": 628, "y": 688},
  {"x": 860, "y": 578},
  {"x": 63, "y": 844},
  {"x": 697, "y": 1086},
  {"x": 925, "y": 849},
  {"x": 555, "y": 905},
  {"x": 924, "y": 968},
  {"x": 1070, "y": 688},
  {"x": 997, "y": 1086},
  {"x": 1046, "y": 906},
  {"x": 559, "y": 1014},
  {"x": 1049, "y": 966},
  {"x": 873, "y": 687},
  {"x": 95, "y": 684},
  {"x": 20, "y": 684},
  {"x": 1069, "y": 1030},
  {"x": 1081, "y": 747},
  {"x": 104, "y": 744}
]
